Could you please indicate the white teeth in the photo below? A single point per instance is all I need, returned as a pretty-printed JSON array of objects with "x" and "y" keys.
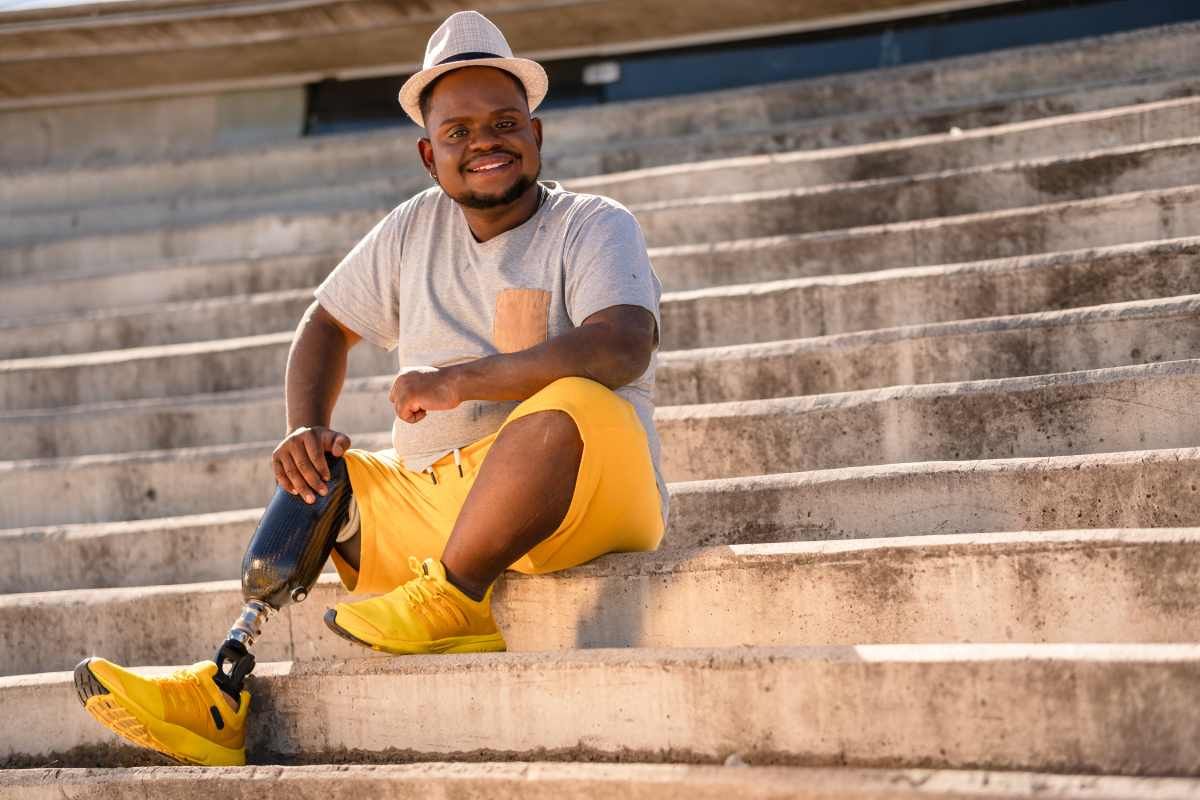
[{"x": 489, "y": 167}]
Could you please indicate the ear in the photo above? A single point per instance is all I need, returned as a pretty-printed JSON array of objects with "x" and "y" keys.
[
  {"x": 537, "y": 131},
  {"x": 425, "y": 150}
]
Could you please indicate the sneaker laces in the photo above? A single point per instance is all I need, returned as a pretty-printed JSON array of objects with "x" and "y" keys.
[
  {"x": 423, "y": 588},
  {"x": 418, "y": 590}
]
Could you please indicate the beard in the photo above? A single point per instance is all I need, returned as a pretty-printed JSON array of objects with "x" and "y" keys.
[{"x": 507, "y": 197}]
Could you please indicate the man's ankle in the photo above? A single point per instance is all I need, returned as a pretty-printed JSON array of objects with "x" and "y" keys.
[{"x": 469, "y": 589}]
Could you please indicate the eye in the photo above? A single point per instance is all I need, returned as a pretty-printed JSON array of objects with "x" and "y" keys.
[
  {"x": 454, "y": 132},
  {"x": 506, "y": 123}
]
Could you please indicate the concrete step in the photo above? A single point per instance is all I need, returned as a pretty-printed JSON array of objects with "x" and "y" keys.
[
  {"x": 1141, "y": 489},
  {"x": 994, "y": 187},
  {"x": 1085, "y": 338},
  {"x": 553, "y": 781},
  {"x": 685, "y": 177},
  {"x": 800, "y": 307},
  {"x": 1053, "y": 136},
  {"x": 719, "y": 375},
  {"x": 1051, "y": 228},
  {"x": 993, "y": 88},
  {"x": 993, "y": 706},
  {"x": 1084, "y": 412},
  {"x": 169, "y": 282},
  {"x": 790, "y": 211},
  {"x": 1072, "y": 225},
  {"x": 1001, "y": 587}
]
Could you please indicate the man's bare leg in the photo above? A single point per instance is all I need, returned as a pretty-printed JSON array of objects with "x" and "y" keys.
[{"x": 520, "y": 496}]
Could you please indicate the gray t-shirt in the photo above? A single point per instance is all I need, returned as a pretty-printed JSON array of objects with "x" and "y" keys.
[{"x": 419, "y": 282}]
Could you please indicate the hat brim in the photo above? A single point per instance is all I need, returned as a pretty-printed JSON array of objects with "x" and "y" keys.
[{"x": 529, "y": 73}]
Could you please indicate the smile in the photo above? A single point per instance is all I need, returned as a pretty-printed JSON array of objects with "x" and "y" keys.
[{"x": 490, "y": 164}]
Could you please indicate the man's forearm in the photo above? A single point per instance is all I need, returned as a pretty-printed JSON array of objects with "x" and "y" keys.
[
  {"x": 613, "y": 355},
  {"x": 316, "y": 370}
]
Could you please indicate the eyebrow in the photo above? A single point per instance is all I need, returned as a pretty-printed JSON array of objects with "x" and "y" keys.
[{"x": 505, "y": 110}]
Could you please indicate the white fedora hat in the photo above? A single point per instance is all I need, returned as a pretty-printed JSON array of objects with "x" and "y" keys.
[{"x": 469, "y": 39}]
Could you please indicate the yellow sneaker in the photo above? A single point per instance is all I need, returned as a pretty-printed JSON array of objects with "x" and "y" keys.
[
  {"x": 183, "y": 716},
  {"x": 426, "y": 615}
]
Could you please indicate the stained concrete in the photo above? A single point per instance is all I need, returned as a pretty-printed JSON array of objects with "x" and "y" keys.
[
  {"x": 710, "y": 220},
  {"x": 1133, "y": 490},
  {"x": 903, "y": 705},
  {"x": 551, "y": 781},
  {"x": 1004, "y": 587},
  {"x": 795, "y": 308},
  {"x": 1087, "y": 338},
  {"x": 334, "y": 175}
]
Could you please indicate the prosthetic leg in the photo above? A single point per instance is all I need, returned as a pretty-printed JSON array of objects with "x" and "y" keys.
[{"x": 286, "y": 554}]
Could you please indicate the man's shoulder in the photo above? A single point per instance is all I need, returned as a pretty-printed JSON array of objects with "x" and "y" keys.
[
  {"x": 585, "y": 209},
  {"x": 426, "y": 201}
]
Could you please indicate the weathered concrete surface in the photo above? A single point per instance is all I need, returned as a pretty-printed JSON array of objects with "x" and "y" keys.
[
  {"x": 1159, "y": 165},
  {"x": 1086, "y": 338},
  {"x": 1138, "y": 489},
  {"x": 181, "y": 189},
  {"x": 167, "y": 483},
  {"x": 1057, "y": 414},
  {"x": 34, "y": 296},
  {"x": 553, "y": 781},
  {"x": 833, "y": 304},
  {"x": 269, "y": 180},
  {"x": 796, "y": 308},
  {"x": 1053, "y": 136},
  {"x": 1056, "y": 227},
  {"x": 725, "y": 375},
  {"x": 203, "y": 547},
  {"x": 904, "y": 705},
  {"x": 1069, "y": 413},
  {"x": 1003, "y": 587},
  {"x": 78, "y": 134}
]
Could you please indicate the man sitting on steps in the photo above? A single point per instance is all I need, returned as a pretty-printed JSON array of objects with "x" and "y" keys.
[{"x": 525, "y": 318}]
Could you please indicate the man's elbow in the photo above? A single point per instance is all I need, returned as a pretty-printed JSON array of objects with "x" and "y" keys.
[{"x": 631, "y": 352}]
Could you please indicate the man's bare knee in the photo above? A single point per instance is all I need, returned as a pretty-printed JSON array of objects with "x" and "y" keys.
[{"x": 553, "y": 430}]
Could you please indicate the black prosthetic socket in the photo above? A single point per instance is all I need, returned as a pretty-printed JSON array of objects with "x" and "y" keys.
[{"x": 286, "y": 554}]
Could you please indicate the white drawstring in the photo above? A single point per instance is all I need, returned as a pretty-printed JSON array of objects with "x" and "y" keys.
[{"x": 457, "y": 462}]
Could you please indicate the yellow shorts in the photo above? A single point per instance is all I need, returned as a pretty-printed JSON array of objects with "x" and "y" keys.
[{"x": 615, "y": 508}]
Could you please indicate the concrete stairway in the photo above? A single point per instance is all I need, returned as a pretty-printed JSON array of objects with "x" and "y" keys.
[{"x": 927, "y": 399}]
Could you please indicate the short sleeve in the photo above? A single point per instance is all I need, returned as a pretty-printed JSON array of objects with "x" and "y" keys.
[
  {"x": 607, "y": 265},
  {"x": 362, "y": 292}
]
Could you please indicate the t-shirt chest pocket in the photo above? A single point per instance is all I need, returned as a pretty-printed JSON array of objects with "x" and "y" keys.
[{"x": 521, "y": 319}]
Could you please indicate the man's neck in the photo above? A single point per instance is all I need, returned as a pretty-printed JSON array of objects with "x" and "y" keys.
[{"x": 487, "y": 223}]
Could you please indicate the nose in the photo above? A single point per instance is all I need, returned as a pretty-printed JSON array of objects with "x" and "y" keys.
[{"x": 483, "y": 138}]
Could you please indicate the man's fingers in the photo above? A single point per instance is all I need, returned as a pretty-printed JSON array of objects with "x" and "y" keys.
[
  {"x": 308, "y": 471},
  {"x": 299, "y": 486},
  {"x": 281, "y": 477},
  {"x": 314, "y": 446},
  {"x": 341, "y": 443}
]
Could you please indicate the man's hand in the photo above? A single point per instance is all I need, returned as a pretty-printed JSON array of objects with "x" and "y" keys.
[
  {"x": 299, "y": 460},
  {"x": 421, "y": 389}
]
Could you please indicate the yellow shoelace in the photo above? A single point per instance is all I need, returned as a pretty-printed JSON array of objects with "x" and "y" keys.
[
  {"x": 418, "y": 590},
  {"x": 423, "y": 588}
]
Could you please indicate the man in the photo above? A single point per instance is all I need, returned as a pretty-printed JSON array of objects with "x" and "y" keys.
[{"x": 525, "y": 319}]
